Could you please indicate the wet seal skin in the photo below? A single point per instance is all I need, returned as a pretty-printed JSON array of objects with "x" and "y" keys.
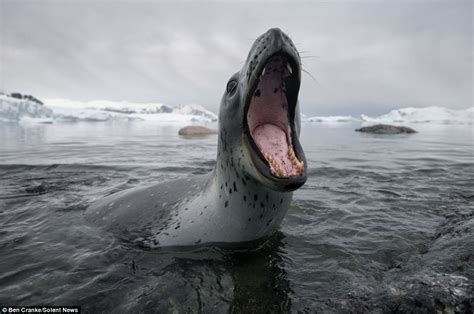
[{"x": 259, "y": 163}]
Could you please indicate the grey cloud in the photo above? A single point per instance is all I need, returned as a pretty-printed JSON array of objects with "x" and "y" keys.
[{"x": 366, "y": 56}]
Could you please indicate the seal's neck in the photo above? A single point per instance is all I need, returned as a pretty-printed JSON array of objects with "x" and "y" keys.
[{"x": 249, "y": 203}]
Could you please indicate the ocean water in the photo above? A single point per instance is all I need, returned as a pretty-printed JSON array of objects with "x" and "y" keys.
[{"x": 383, "y": 224}]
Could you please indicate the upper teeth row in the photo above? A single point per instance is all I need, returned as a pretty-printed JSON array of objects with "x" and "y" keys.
[{"x": 288, "y": 67}]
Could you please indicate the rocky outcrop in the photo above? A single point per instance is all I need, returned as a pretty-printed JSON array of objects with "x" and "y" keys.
[
  {"x": 27, "y": 97},
  {"x": 192, "y": 131},
  {"x": 386, "y": 129}
]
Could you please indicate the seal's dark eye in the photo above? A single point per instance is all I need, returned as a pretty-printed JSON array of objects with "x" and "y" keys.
[{"x": 231, "y": 87}]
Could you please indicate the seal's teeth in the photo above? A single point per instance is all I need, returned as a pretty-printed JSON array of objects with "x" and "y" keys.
[
  {"x": 292, "y": 156},
  {"x": 267, "y": 157},
  {"x": 297, "y": 171},
  {"x": 298, "y": 166},
  {"x": 279, "y": 171},
  {"x": 264, "y": 69},
  {"x": 275, "y": 168},
  {"x": 291, "y": 152},
  {"x": 272, "y": 163},
  {"x": 288, "y": 67},
  {"x": 301, "y": 168}
]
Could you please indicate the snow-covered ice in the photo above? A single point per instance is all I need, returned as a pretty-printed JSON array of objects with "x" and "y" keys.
[
  {"x": 331, "y": 119},
  {"x": 63, "y": 110},
  {"x": 15, "y": 110},
  {"x": 433, "y": 114},
  {"x": 102, "y": 110}
]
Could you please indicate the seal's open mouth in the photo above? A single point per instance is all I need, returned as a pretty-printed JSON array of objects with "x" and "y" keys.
[{"x": 270, "y": 118}]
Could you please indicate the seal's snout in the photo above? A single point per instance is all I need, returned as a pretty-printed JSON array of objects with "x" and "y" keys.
[
  {"x": 271, "y": 122},
  {"x": 277, "y": 37},
  {"x": 274, "y": 41}
]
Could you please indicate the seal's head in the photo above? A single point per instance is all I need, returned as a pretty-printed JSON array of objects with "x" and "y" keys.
[{"x": 259, "y": 114}]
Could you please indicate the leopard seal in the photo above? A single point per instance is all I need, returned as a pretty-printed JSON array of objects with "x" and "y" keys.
[{"x": 259, "y": 163}]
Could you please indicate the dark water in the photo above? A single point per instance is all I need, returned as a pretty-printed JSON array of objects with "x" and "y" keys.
[{"x": 384, "y": 224}]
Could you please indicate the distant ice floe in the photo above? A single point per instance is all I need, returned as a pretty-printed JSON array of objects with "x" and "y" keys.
[
  {"x": 331, "y": 119},
  {"x": 102, "y": 110},
  {"x": 15, "y": 109},
  {"x": 434, "y": 114},
  {"x": 25, "y": 108},
  {"x": 28, "y": 109}
]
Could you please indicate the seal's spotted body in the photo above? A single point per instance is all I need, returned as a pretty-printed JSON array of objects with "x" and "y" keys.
[{"x": 259, "y": 163}]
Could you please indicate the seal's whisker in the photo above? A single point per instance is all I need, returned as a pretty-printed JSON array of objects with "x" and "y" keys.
[{"x": 309, "y": 74}]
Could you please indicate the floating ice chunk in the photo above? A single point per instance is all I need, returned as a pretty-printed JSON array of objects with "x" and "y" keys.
[
  {"x": 16, "y": 110},
  {"x": 432, "y": 114}
]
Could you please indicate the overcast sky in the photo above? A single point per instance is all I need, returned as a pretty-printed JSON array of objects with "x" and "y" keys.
[{"x": 366, "y": 56}]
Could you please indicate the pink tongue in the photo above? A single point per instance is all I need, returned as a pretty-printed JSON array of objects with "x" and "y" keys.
[{"x": 272, "y": 140}]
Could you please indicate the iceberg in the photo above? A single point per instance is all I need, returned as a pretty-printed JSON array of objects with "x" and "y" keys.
[
  {"x": 433, "y": 114},
  {"x": 103, "y": 110},
  {"x": 17, "y": 108},
  {"x": 20, "y": 108},
  {"x": 196, "y": 110}
]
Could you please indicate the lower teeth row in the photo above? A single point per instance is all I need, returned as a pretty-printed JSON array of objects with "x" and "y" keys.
[{"x": 277, "y": 170}]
